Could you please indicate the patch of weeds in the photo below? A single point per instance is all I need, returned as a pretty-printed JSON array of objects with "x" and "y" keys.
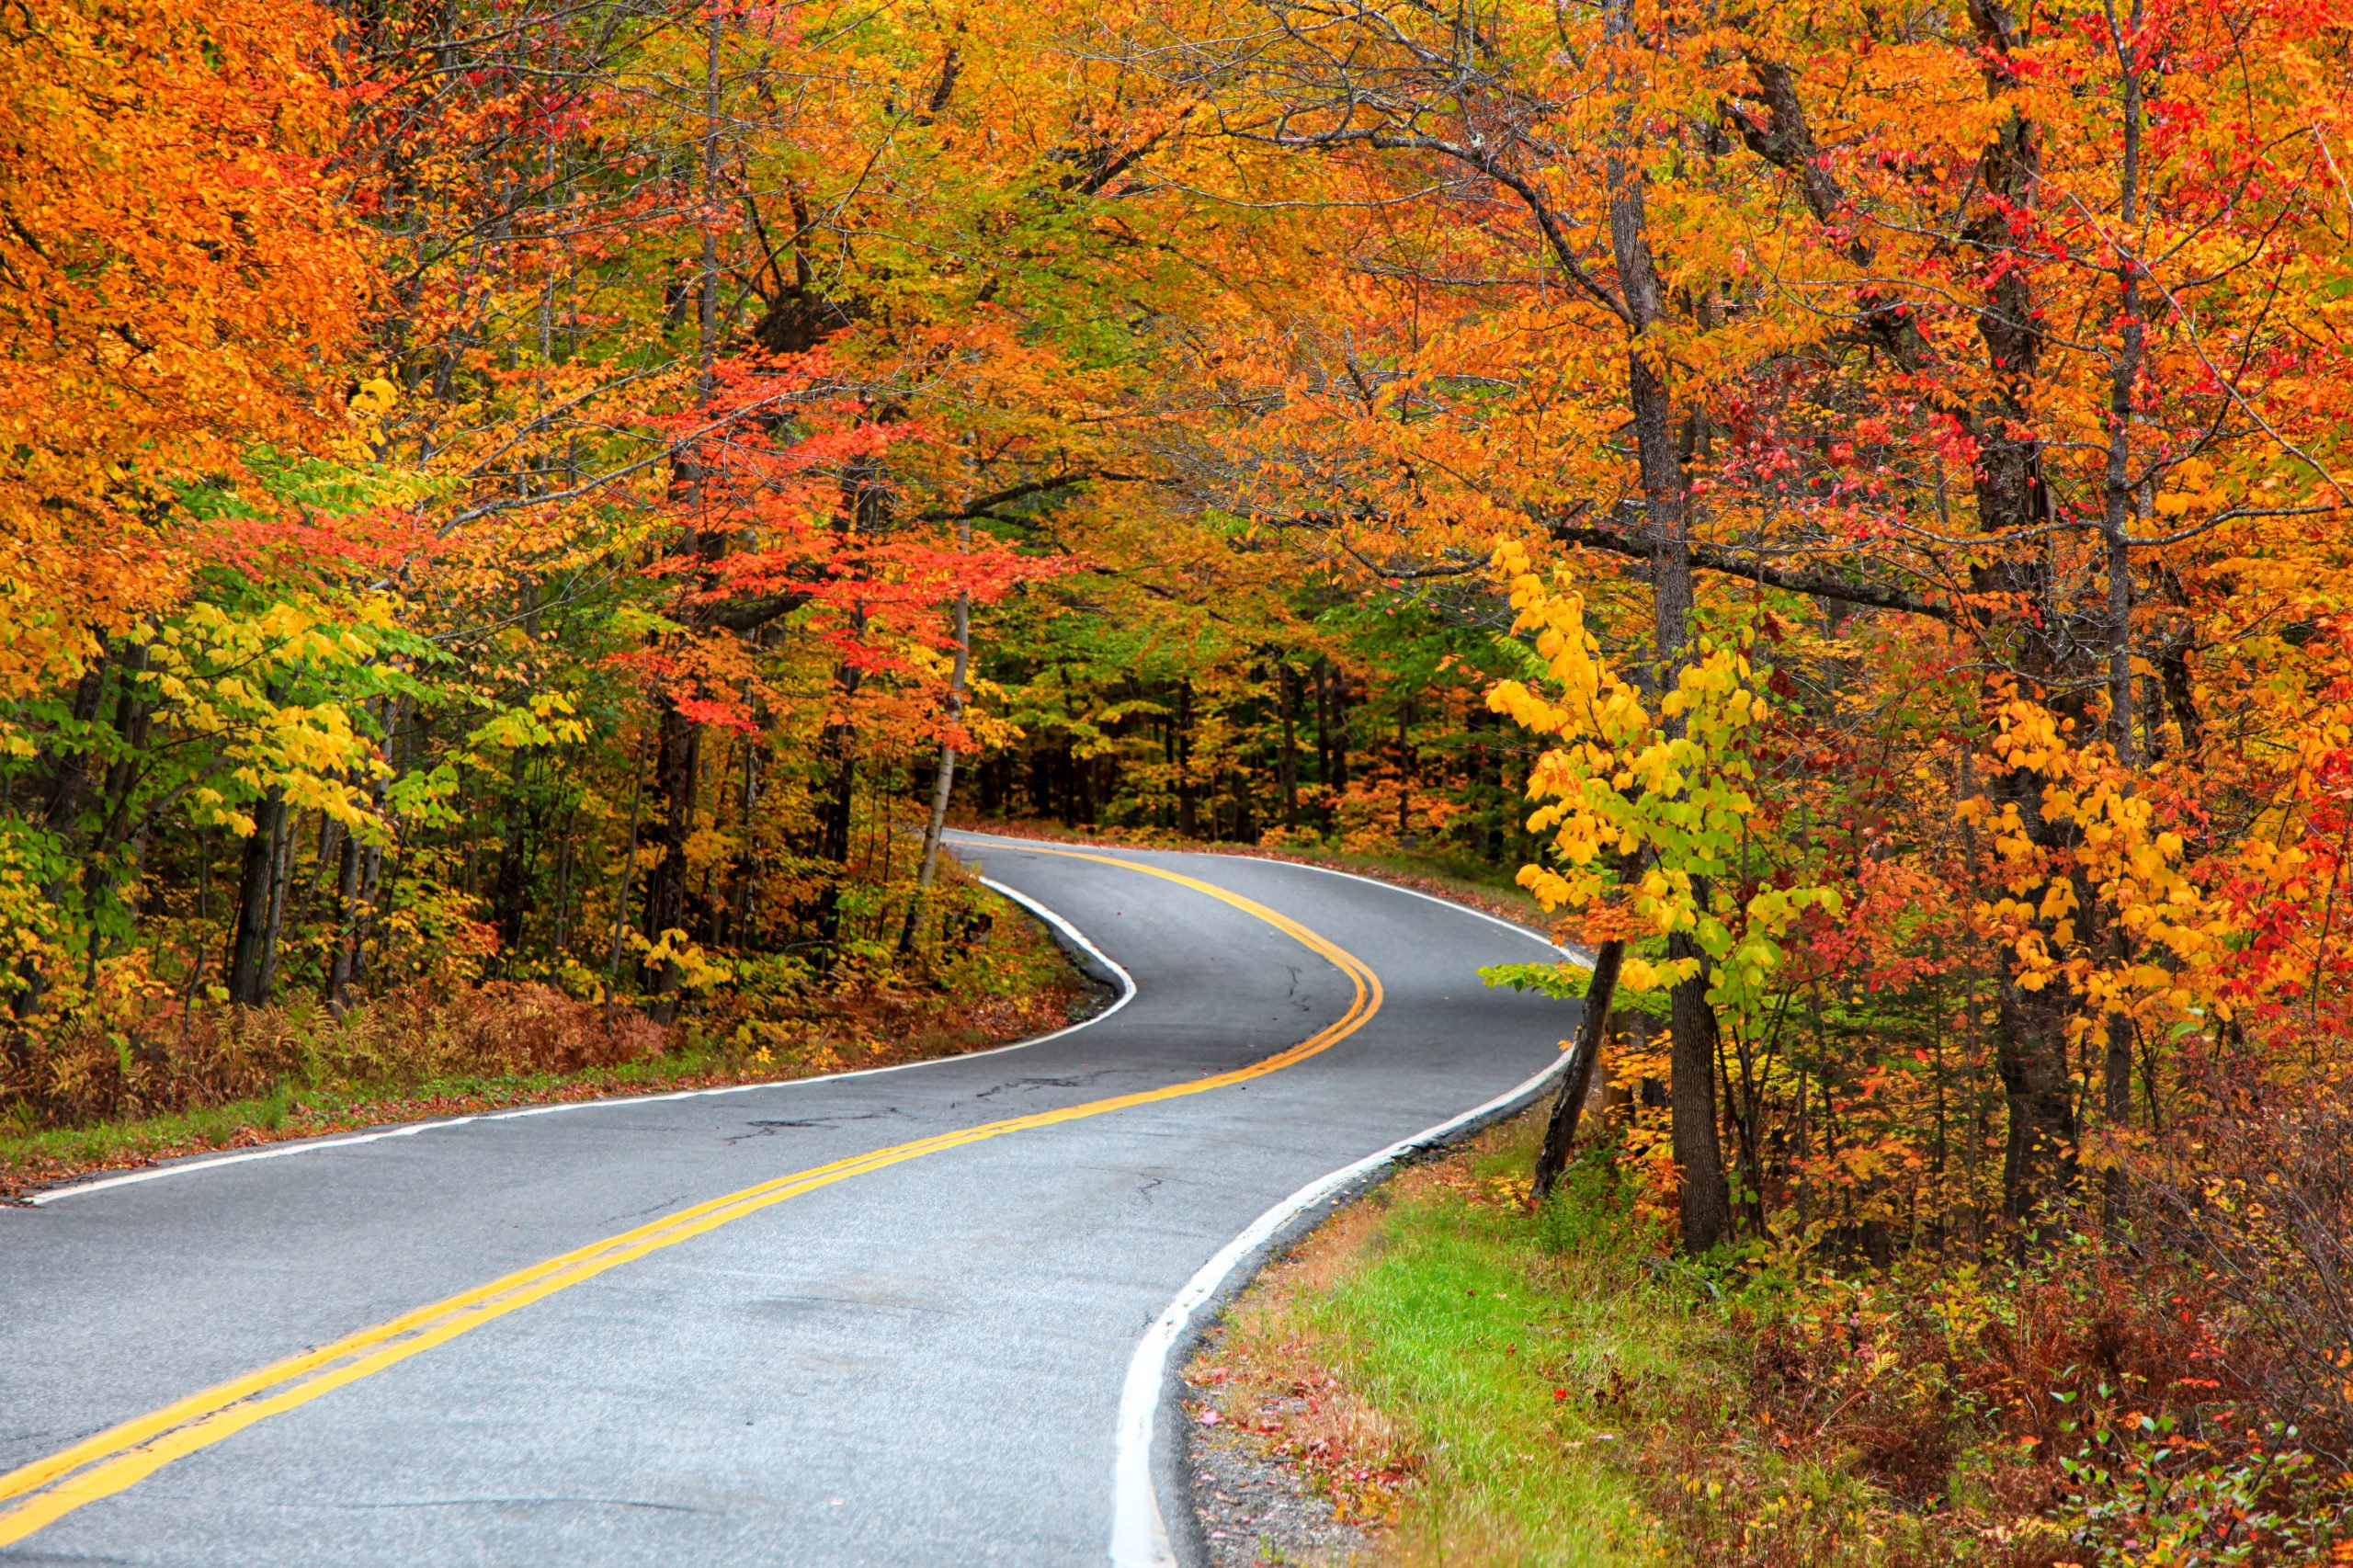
[{"x": 1551, "y": 1390}]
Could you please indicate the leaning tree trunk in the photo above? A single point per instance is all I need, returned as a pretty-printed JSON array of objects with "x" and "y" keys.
[{"x": 1561, "y": 1129}]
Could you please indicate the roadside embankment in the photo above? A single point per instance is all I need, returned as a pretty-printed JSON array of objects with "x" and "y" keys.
[{"x": 113, "y": 1096}]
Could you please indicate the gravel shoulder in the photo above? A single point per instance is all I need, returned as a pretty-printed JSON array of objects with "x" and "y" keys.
[{"x": 1256, "y": 1510}]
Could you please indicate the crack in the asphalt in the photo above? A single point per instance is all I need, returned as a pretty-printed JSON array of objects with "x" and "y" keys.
[
  {"x": 770, "y": 1129},
  {"x": 1029, "y": 1084},
  {"x": 1144, "y": 1191},
  {"x": 1073, "y": 1081},
  {"x": 641, "y": 1213}
]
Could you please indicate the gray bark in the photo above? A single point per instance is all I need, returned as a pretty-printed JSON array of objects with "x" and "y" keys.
[
  {"x": 943, "y": 784},
  {"x": 1593, "y": 1030},
  {"x": 248, "y": 951}
]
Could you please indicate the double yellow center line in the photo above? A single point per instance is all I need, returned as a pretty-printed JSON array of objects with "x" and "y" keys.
[{"x": 46, "y": 1490}]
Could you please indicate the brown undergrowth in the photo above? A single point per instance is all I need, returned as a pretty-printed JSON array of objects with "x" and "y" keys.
[{"x": 176, "y": 1079}]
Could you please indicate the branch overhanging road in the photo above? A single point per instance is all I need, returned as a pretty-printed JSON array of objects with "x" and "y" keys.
[{"x": 880, "y": 1318}]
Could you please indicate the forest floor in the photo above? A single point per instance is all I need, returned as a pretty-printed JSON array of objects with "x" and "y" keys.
[
  {"x": 1437, "y": 1375},
  {"x": 293, "y": 1072}
]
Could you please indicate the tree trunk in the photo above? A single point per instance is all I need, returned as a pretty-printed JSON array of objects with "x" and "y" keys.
[
  {"x": 106, "y": 867},
  {"x": 749, "y": 860},
  {"x": 248, "y": 951},
  {"x": 943, "y": 783},
  {"x": 839, "y": 814},
  {"x": 559, "y": 932},
  {"x": 372, "y": 896},
  {"x": 677, "y": 763},
  {"x": 280, "y": 881},
  {"x": 1699, "y": 1154},
  {"x": 2116, "y": 513},
  {"x": 2030, "y": 638},
  {"x": 1286, "y": 773},
  {"x": 679, "y": 756},
  {"x": 64, "y": 793},
  {"x": 2174, "y": 675},
  {"x": 511, "y": 891},
  {"x": 1405, "y": 769},
  {"x": 2124, "y": 375},
  {"x": 1188, "y": 806},
  {"x": 2116, "y": 1074},
  {"x": 1336, "y": 684},
  {"x": 621, "y": 890},
  {"x": 1324, "y": 733},
  {"x": 359, "y": 884},
  {"x": 2031, "y": 1050},
  {"x": 347, "y": 926},
  {"x": 1561, "y": 1129}
]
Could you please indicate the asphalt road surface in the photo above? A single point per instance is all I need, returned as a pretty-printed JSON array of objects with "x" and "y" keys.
[{"x": 811, "y": 1343}]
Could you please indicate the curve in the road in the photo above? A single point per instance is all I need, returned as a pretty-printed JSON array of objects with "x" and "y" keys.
[
  {"x": 923, "y": 1365},
  {"x": 100, "y": 1466}
]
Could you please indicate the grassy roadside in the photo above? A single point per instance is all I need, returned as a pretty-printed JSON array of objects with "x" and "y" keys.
[
  {"x": 1470, "y": 1380},
  {"x": 411, "y": 1057},
  {"x": 1485, "y": 1386}
]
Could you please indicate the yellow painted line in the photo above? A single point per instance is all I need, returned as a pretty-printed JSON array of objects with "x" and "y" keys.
[{"x": 124, "y": 1455}]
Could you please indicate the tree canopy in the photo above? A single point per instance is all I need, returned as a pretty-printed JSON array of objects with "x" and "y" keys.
[{"x": 1852, "y": 500}]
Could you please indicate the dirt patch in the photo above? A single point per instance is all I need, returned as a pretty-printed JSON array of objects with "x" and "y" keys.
[{"x": 1256, "y": 1510}]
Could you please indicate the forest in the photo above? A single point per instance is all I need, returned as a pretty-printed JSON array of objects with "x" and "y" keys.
[{"x": 529, "y": 509}]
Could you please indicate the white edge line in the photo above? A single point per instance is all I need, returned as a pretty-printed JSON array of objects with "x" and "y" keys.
[
  {"x": 1138, "y": 1530},
  {"x": 1576, "y": 955},
  {"x": 305, "y": 1146}
]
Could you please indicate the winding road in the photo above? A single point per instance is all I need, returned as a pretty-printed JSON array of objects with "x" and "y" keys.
[{"x": 879, "y": 1318}]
